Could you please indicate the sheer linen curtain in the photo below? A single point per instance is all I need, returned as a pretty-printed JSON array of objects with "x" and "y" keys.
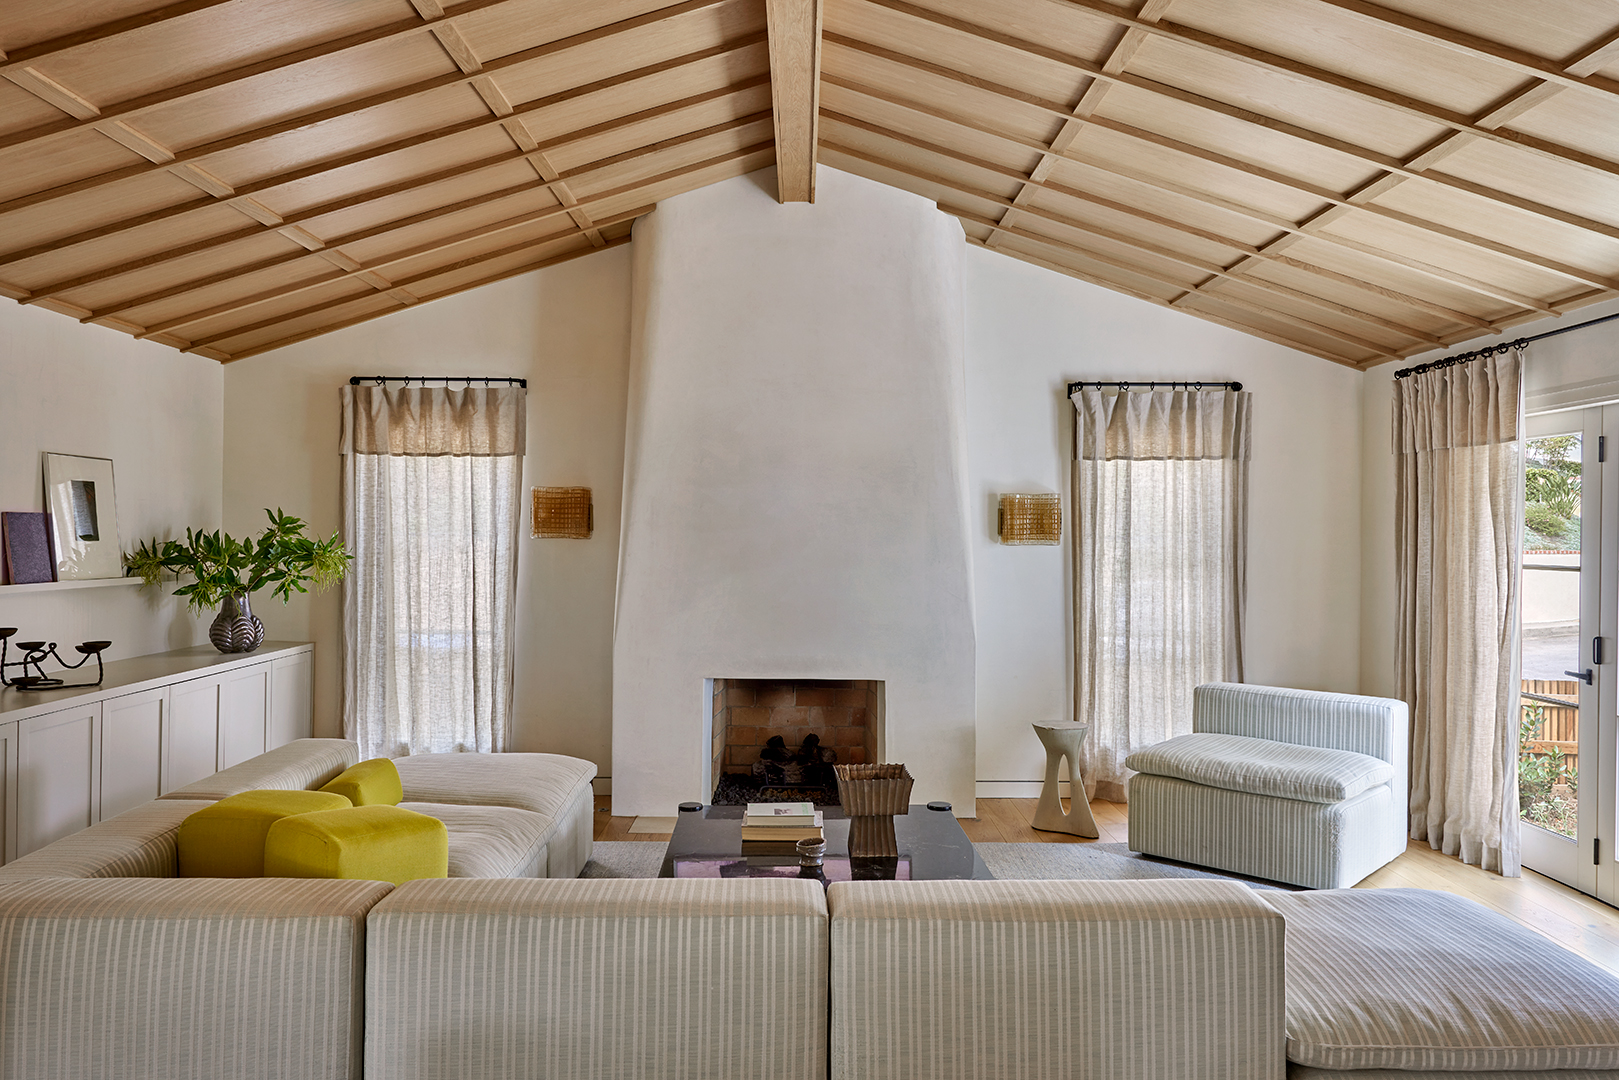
[
  {"x": 1459, "y": 540},
  {"x": 1160, "y": 496},
  {"x": 431, "y": 479}
]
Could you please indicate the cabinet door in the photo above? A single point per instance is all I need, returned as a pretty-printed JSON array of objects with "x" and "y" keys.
[
  {"x": 132, "y": 737},
  {"x": 58, "y": 775},
  {"x": 8, "y": 794},
  {"x": 193, "y": 745},
  {"x": 292, "y": 690},
  {"x": 244, "y": 707}
]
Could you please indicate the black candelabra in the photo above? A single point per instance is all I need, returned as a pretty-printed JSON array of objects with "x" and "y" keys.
[{"x": 34, "y": 655}]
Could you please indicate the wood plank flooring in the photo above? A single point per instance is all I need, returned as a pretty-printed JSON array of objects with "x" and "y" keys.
[{"x": 1575, "y": 921}]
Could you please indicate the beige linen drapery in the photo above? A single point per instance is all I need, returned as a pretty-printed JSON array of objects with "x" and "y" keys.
[
  {"x": 1160, "y": 497},
  {"x": 1459, "y": 542},
  {"x": 431, "y": 479}
]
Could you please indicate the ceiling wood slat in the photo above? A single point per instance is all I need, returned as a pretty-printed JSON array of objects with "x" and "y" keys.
[{"x": 41, "y": 50}]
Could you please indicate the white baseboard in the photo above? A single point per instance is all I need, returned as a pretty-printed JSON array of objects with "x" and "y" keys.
[
  {"x": 602, "y": 785},
  {"x": 1015, "y": 789}
]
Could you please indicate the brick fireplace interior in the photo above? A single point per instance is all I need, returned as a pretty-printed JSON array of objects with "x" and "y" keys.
[{"x": 845, "y": 713}]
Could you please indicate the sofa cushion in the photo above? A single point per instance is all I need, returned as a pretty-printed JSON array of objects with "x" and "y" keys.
[
  {"x": 373, "y": 782},
  {"x": 226, "y": 839},
  {"x": 139, "y": 843},
  {"x": 1263, "y": 767},
  {"x": 366, "y": 843},
  {"x": 491, "y": 841},
  {"x": 543, "y": 783},
  {"x": 302, "y": 763},
  {"x": 1418, "y": 980}
]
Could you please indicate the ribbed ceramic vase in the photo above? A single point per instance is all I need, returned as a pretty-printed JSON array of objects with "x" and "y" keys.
[{"x": 236, "y": 629}]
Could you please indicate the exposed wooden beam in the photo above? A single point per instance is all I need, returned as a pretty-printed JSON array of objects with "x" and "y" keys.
[
  {"x": 795, "y": 93},
  {"x": 147, "y": 262},
  {"x": 40, "y": 50},
  {"x": 331, "y": 112},
  {"x": 411, "y": 142},
  {"x": 527, "y": 268}
]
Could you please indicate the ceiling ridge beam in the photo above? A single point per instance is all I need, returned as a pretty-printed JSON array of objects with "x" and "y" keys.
[
  {"x": 1237, "y": 209},
  {"x": 41, "y": 50},
  {"x": 529, "y": 268},
  {"x": 794, "y": 28},
  {"x": 338, "y": 242},
  {"x": 358, "y": 105},
  {"x": 1471, "y": 45},
  {"x": 372, "y": 195},
  {"x": 413, "y": 142}
]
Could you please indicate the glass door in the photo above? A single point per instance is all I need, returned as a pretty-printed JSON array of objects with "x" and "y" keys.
[{"x": 1567, "y": 718}]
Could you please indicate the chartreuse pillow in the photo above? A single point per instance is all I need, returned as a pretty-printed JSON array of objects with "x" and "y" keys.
[
  {"x": 226, "y": 840},
  {"x": 370, "y": 783},
  {"x": 367, "y": 843}
]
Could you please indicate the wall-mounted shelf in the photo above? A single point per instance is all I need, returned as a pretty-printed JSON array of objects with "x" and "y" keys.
[{"x": 52, "y": 586}]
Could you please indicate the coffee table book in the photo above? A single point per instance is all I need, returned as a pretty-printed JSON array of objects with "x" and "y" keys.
[
  {"x": 786, "y": 814},
  {"x": 782, "y": 834}
]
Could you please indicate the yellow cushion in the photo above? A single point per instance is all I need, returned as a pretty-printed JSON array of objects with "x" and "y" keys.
[
  {"x": 226, "y": 840},
  {"x": 367, "y": 843},
  {"x": 370, "y": 783}
]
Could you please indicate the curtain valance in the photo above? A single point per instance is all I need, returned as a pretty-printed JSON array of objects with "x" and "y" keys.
[
  {"x": 429, "y": 421},
  {"x": 1472, "y": 404},
  {"x": 1161, "y": 426}
]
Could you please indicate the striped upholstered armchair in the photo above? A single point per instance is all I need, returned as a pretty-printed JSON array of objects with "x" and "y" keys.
[{"x": 1295, "y": 786}]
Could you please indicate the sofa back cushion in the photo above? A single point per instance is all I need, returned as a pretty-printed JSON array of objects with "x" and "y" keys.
[
  {"x": 302, "y": 763},
  {"x": 1366, "y": 725},
  {"x": 137, "y": 843},
  {"x": 1027, "y": 980},
  {"x": 678, "y": 979},
  {"x": 183, "y": 980}
]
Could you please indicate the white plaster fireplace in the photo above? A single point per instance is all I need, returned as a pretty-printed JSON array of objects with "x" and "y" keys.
[{"x": 794, "y": 485}]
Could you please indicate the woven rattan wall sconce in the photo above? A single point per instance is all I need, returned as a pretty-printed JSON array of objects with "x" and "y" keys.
[
  {"x": 1030, "y": 519},
  {"x": 563, "y": 513}
]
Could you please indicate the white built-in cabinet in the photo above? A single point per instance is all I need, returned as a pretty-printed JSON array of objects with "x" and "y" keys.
[{"x": 158, "y": 724}]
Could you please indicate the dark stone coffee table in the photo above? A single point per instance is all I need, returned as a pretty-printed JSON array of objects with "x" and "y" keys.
[{"x": 707, "y": 843}]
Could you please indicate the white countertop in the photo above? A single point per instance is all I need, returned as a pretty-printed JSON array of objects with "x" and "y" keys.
[{"x": 133, "y": 675}]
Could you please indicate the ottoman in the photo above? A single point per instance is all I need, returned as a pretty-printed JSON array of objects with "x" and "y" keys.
[
  {"x": 367, "y": 843},
  {"x": 1426, "y": 985},
  {"x": 226, "y": 840}
]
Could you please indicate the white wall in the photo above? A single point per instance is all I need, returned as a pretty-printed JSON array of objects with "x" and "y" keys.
[
  {"x": 1577, "y": 367},
  {"x": 78, "y": 389},
  {"x": 795, "y": 474},
  {"x": 1029, "y": 331},
  {"x": 566, "y": 330}
]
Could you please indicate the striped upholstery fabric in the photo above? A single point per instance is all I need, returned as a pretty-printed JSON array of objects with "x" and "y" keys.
[
  {"x": 139, "y": 843},
  {"x": 491, "y": 841},
  {"x": 588, "y": 980},
  {"x": 1304, "y": 1072},
  {"x": 1316, "y": 845},
  {"x": 1264, "y": 767},
  {"x": 138, "y": 979},
  {"x": 1416, "y": 980},
  {"x": 1320, "y": 845},
  {"x": 300, "y": 764},
  {"x": 1029, "y": 980},
  {"x": 549, "y": 784}
]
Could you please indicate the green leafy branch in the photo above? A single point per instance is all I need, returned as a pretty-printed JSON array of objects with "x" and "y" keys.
[{"x": 219, "y": 565}]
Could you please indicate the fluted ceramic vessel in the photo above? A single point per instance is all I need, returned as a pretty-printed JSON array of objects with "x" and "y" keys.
[{"x": 236, "y": 629}]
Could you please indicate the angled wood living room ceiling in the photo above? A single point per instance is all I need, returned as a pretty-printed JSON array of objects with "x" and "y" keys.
[{"x": 1357, "y": 180}]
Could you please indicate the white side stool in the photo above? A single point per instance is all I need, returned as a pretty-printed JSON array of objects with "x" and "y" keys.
[{"x": 1062, "y": 740}]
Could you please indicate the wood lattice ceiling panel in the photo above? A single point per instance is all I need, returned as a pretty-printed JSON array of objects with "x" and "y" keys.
[{"x": 1358, "y": 180}]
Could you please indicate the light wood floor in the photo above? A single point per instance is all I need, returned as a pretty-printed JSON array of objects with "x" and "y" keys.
[{"x": 1573, "y": 920}]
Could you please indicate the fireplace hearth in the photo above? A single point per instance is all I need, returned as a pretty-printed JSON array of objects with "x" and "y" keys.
[{"x": 776, "y": 740}]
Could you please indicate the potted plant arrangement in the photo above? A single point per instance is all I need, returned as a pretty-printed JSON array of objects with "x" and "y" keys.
[{"x": 226, "y": 572}]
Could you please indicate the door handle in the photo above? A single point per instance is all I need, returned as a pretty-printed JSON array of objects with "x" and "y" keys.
[{"x": 1583, "y": 676}]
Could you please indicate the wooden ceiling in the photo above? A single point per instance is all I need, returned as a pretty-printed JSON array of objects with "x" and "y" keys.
[{"x": 1361, "y": 181}]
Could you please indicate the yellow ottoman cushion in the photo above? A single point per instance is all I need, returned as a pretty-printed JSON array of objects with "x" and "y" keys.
[
  {"x": 366, "y": 843},
  {"x": 226, "y": 840},
  {"x": 370, "y": 783}
]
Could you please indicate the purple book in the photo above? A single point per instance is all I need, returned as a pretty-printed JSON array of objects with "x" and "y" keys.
[{"x": 28, "y": 547}]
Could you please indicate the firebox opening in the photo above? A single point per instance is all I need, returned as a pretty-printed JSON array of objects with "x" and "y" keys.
[{"x": 776, "y": 740}]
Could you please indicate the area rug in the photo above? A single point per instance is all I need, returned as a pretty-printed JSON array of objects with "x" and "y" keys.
[{"x": 1028, "y": 862}]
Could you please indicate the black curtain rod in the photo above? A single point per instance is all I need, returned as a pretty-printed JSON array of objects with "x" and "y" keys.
[
  {"x": 1504, "y": 347},
  {"x": 1125, "y": 384},
  {"x": 356, "y": 380}
]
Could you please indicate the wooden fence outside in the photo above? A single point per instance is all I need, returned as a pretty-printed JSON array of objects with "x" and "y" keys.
[{"x": 1560, "y": 724}]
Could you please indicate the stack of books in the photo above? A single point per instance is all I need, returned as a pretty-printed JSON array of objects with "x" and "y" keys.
[{"x": 781, "y": 823}]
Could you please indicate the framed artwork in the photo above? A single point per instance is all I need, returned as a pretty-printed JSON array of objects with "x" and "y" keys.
[{"x": 84, "y": 517}]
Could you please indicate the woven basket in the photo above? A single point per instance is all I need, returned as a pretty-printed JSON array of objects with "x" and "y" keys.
[{"x": 873, "y": 790}]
